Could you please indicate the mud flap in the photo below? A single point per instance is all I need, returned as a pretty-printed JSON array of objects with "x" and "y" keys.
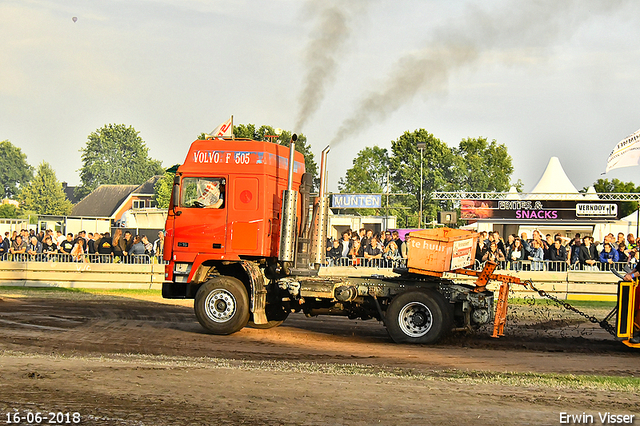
[{"x": 258, "y": 292}]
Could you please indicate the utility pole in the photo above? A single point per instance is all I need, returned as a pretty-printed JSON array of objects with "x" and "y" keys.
[
  {"x": 638, "y": 223},
  {"x": 386, "y": 211},
  {"x": 421, "y": 146}
]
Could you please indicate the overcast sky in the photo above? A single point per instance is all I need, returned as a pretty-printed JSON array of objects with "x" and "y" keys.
[{"x": 545, "y": 78}]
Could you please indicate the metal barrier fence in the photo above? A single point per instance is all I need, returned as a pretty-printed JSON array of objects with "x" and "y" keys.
[
  {"x": 139, "y": 259},
  {"x": 134, "y": 259},
  {"x": 370, "y": 263},
  {"x": 522, "y": 265},
  {"x": 556, "y": 266}
]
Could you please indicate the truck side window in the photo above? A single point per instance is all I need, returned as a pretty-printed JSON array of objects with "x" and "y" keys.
[{"x": 205, "y": 193}]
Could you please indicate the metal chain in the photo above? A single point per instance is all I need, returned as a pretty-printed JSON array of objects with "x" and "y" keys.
[{"x": 603, "y": 324}]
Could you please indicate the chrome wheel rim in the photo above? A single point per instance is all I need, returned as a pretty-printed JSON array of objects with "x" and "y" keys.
[
  {"x": 220, "y": 305},
  {"x": 415, "y": 319}
]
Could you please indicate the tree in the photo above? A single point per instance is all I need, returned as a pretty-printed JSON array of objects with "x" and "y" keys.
[
  {"x": 369, "y": 175},
  {"x": 8, "y": 211},
  {"x": 162, "y": 190},
  {"x": 45, "y": 195},
  {"x": 475, "y": 165},
  {"x": 283, "y": 138},
  {"x": 115, "y": 154},
  {"x": 439, "y": 166},
  {"x": 14, "y": 170},
  {"x": 483, "y": 166},
  {"x": 616, "y": 185},
  {"x": 369, "y": 172}
]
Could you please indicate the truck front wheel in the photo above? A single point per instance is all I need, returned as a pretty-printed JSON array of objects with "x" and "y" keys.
[
  {"x": 418, "y": 317},
  {"x": 222, "y": 305}
]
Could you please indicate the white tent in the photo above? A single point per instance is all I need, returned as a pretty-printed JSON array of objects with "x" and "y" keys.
[
  {"x": 591, "y": 194},
  {"x": 626, "y": 225},
  {"x": 554, "y": 184},
  {"x": 632, "y": 218},
  {"x": 554, "y": 180}
]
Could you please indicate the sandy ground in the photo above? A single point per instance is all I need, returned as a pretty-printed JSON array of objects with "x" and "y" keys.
[{"x": 143, "y": 361}]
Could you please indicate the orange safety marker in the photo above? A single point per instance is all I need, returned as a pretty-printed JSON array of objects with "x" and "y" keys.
[
  {"x": 501, "y": 310},
  {"x": 500, "y": 318}
]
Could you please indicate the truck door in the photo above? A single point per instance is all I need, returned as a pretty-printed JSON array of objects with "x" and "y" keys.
[{"x": 200, "y": 219}]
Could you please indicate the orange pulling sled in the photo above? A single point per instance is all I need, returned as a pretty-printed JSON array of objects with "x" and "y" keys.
[{"x": 436, "y": 251}]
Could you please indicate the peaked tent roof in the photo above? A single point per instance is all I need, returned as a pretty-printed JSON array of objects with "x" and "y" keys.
[{"x": 554, "y": 180}]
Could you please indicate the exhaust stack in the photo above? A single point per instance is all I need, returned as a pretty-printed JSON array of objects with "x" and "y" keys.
[
  {"x": 286, "y": 251},
  {"x": 319, "y": 231}
]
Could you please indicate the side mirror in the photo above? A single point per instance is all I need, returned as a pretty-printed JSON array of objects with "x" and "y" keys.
[{"x": 176, "y": 191}]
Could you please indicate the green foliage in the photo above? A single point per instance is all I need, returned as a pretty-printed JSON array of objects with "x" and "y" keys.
[
  {"x": 616, "y": 185},
  {"x": 116, "y": 155},
  {"x": 28, "y": 214},
  {"x": 45, "y": 195},
  {"x": 249, "y": 131},
  {"x": 439, "y": 169},
  {"x": 8, "y": 211},
  {"x": 14, "y": 170},
  {"x": 162, "y": 190},
  {"x": 369, "y": 172},
  {"x": 475, "y": 165},
  {"x": 484, "y": 166}
]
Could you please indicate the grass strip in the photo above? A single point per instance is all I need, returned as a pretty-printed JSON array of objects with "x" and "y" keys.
[
  {"x": 515, "y": 379},
  {"x": 21, "y": 290}
]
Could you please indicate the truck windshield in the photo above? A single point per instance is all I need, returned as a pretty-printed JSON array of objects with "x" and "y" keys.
[{"x": 202, "y": 193}]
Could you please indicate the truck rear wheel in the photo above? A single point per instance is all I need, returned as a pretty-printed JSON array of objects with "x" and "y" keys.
[
  {"x": 222, "y": 305},
  {"x": 418, "y": 317}
]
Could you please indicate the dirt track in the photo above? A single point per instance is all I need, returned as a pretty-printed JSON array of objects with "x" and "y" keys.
[{"x": 124, "y": 361}]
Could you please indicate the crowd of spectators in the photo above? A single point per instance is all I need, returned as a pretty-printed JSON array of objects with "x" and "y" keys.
[
  {"x": 82, "y": 247},
  {"x": 539, "y": 253},
  {"x": 367, "y": 248},
  {"x": 354, "y": 248},
  {"x": 557, "y": 252}
]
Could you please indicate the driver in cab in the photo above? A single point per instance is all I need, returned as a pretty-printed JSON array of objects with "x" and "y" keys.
[{"x": 210, "y": 195}]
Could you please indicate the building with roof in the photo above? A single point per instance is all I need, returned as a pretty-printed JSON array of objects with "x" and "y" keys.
[
  {"x": 113, "y": 206},
  {"x": 69, "y": 191},
  {"x": 112, "y": 201}
]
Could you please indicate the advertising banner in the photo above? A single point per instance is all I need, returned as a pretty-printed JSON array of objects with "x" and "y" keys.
[
  {"x": 462, "y": 253},
  {"x": 537, "y": 210}
]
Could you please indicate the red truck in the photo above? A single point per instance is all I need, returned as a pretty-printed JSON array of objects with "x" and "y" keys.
[{"x": 245, "y": 238}]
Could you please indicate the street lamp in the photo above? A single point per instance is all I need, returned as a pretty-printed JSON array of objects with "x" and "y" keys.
[{"x": 421, "y": 146}]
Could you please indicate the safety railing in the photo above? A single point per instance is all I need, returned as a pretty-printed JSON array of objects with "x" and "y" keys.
[
  {"x": 140, "y": 259},
  {"x": 557, "y": 266},
  {"x": 521, "y": 265},
  {"x": 134, "y": 259},
  {"x": 364, "y": 262}
]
